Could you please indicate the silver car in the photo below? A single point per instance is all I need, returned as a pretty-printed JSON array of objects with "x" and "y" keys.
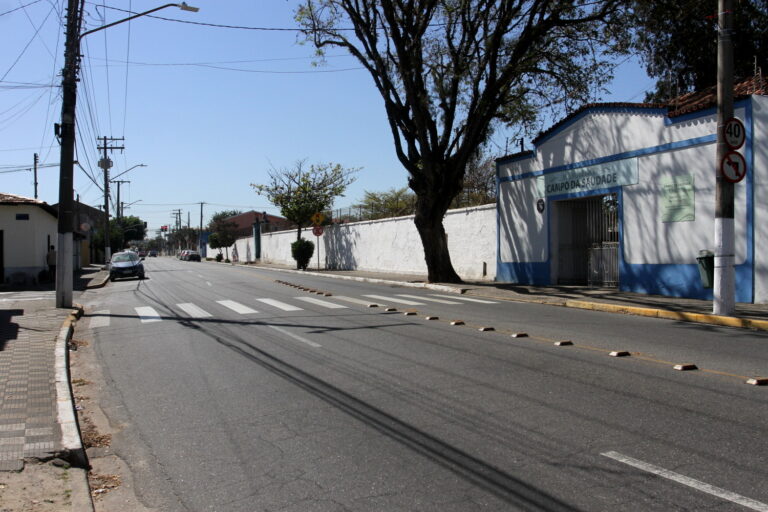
[{"x": 126, "y": 264}]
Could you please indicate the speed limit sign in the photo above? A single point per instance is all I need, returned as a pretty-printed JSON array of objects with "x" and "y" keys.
[{"x": 734, "y": 132}]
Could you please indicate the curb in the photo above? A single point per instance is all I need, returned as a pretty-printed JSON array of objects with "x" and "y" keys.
[{"x": 91, "y": 285}]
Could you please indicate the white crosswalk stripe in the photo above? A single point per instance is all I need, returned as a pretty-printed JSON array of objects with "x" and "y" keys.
[
  {"x": 480, "y": 301},
  {"x": 355, "y": 301},
  {"x": 395, "y": 300},
  {"x": 236, "y": 307},
  {"x": 193, "y": 310},
  {"x": 323, "y": 303},
  {"x": 147, "y": 314},
  {"x": 439, "y": 301},
  {"x": 280, "y": 305},
  {"x": 99, "y": 319}
]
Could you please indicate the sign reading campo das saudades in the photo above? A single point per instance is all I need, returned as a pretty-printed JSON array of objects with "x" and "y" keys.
[{"x": 593, "y": 177}]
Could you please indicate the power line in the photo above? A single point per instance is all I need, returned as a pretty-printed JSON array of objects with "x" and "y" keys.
[{"x": 18, "y": 8}]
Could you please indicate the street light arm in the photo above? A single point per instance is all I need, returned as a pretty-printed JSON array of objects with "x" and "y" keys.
[
  {"x": 125, "y": 171},
  {"x": 183, "y": 6}
]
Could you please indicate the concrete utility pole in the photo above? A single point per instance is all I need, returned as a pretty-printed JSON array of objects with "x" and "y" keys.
[
  {"x": 105, "y": 163},
  {"x": 67, "y": 135},
  {"x": 120, "y": 212},
  {"x": 35, "y": 160},
  {"x": 724, "y": 286},
  {"x": 200, "y": 233}
]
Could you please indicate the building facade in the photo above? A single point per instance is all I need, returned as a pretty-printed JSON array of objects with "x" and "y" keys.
[
  {"x": 28, "y": 227},
  {"x": 623, "y": 195}
]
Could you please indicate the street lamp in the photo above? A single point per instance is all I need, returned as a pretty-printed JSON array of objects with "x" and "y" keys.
[
  {"x": 129, "y": 169},
  {"x": 66, "y": 131}
]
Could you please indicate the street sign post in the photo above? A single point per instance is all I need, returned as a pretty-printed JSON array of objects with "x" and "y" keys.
[
  {"x": 733, "y": 167},
  {"x": 317, "y": 218},
  {"x": 317, "y": 230},
  {"x": 734, "y": 132}
]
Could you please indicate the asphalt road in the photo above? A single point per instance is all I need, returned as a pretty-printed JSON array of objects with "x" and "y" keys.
[{"x": 237, "y": 392}]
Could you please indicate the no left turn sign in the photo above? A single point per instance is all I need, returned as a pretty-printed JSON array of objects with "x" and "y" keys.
[{"x": 733, "y": 167}]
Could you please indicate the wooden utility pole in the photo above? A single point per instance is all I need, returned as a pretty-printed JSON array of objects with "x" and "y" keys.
[{"x": 105, "y": 163}]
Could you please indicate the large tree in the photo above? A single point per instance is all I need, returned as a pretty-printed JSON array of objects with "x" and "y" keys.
[
  {"x": 448, "y": 69},
  {"x": 678, "y": 44},
  {"x": 301, "y": 191},
  {"x": 223, "y": 231}
]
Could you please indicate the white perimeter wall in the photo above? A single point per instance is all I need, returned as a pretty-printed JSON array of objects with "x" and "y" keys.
[
  {"x": 391, "y": 245},
  {"x": 760, "y": 149}
]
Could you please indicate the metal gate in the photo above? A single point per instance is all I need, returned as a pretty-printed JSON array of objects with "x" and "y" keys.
[{"x": 589, "y": 251}]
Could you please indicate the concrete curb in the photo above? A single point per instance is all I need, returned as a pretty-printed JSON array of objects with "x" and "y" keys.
[
  {"x": 72, "y": 449},
  {"x": 101, "y": 284}
]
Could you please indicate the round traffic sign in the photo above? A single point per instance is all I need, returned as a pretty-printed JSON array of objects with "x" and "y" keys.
[
  {"x": 734, "y": 132},
  {"x": 733, "y": 167},
  {"x": 317, "y": 230}
]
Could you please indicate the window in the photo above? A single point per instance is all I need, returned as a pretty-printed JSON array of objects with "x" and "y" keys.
[{"x": 22, "y": 216}]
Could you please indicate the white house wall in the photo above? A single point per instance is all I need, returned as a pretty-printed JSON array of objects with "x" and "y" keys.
[
  {"x": 25, "y": 241},
  {"x": 393, "y": 245},
  {"x": 760, "y": 192}
]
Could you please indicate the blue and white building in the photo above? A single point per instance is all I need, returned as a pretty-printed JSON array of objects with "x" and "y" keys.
[{"x": 624, "y": 195}]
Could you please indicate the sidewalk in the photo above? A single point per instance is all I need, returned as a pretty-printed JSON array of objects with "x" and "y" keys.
[
  {"x": 749, "y": 316},
  {"x": 37, "y": 418}
]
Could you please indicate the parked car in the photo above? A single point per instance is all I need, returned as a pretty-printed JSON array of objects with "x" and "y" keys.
[
  {"x": 126, "y": 264},
  {"x": 142, "y": 253},
  {"x": 183, "y": 254},
  {"x": 192, "y": 256},
  {"x": 152, "y": 253}
]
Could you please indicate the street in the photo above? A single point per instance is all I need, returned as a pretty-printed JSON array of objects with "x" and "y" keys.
[{"x": 235, "y": 391}]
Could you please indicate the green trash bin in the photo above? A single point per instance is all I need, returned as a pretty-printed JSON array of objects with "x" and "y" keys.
[{"x": 706, "y": 261}]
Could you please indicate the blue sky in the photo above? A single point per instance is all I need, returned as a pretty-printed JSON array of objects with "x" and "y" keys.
[{"x": 208, "y": 110}]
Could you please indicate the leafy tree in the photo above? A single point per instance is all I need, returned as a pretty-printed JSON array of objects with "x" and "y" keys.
[
  {"x": 678, "y": 44},
  {"x": 223, "y": 231},
  {"x": 393, "y": 203},
  {"x": 300, "y": 192},
  {"x": 449, "y": 70},
  {"x": 121, "y": 231}
]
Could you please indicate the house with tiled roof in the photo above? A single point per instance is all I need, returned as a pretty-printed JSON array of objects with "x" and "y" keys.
[
  {"x": 28, "y": 227},
  {"x": 623, "y": 195}
]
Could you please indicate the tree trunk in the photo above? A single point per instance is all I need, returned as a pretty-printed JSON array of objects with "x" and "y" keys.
[{"x": 429, "y": 223}]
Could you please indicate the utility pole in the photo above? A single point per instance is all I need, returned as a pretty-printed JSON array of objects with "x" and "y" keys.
[
  {"x": 35, "y": 160},
  {"x": 724, "y": 294},
  {"x": 66, "y": 162},
  {"x": 120, "y": 212},
  {"x": 200, "y": 233},
  {"x": 105, "y": 163}
]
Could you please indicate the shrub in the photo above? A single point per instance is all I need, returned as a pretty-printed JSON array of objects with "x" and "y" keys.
[
  {"x": 219, "y": 257},
  {"x": 302, "y": 251}
]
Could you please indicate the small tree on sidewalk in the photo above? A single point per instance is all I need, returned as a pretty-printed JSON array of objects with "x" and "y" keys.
[{"x": 300, "y": 192}]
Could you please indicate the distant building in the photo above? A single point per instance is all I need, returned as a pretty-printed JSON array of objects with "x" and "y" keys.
[
  {"x": 269, "y": 223},
  {"x": 28, "y": 227},
  {"x": 86, "y": 221},
  {"x": 623, "y": 195}
]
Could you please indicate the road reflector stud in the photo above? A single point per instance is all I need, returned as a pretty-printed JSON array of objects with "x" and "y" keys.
[
  {"x": 519, "y": 335},
  {"x": 758, "y": 381},
  {"x": 457, "y": 322},
  {"x": 486, "y": 329},
  {"x": 390, "y": 309},
  {"x": 686, "y": 367},
  {"x": 373, "y": 305},
  {"x": 431, "y": 318},
  {"x": 564, "y": 343},
  {"x": 619, "y": 353},
  {"x": 409, "y": 313},
  {"x": 327, "y": 294}
]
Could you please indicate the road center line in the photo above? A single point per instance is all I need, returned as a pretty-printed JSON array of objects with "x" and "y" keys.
[
  {"x": 690, "y": 482},
  {"x": 296, "y": 337}
]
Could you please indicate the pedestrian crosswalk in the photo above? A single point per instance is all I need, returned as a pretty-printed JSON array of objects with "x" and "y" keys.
[{"x": 213, "y": 309}]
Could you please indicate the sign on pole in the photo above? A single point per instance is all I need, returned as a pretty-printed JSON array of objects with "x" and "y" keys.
[
  {"x": 317, "y": 218},
  {"x": 733, "y": 167},
  {"x": 734, "y": 133},
  {"x": 317, "y": 230}
]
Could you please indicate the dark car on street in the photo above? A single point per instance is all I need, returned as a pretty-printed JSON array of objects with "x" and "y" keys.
[
  {"x": 192, "y": 256},
  {"x": 126, "y": 264}
]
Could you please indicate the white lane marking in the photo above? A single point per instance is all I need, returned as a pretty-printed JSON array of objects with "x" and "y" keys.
[
  {"x": 441, "y": 301},
  {"x": 324, "y": 303},
  {"x": 236, "y": 307},
  {"x": 296, "y": 337},
  {"x": 395, "y": 300},
  {"x": 481, "y": 301},
  {"x": 201, "y": 277},
  {"x": 690, "y": 482},
  {"x": 147, "y": 314},
  {"x": 99, "y": 319},
  {"x": 280, "y": 305},
  {"x": 208, "y": 283},
  {"x": 354, "y": 300},
  {"x": 194, "y": 311}
]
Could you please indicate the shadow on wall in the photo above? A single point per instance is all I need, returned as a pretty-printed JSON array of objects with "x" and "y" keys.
[{"x": 339, "y": 242}]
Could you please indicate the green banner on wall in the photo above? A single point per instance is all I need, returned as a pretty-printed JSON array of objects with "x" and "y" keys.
[
  {"x": 678, "y": 202},
  {"x": 584, "y": 179}
]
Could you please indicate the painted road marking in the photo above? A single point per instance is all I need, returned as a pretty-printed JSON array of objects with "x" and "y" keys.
[
  {"x": 280, "y": 305},
  {"x": 395, "y": 300},
  {"x": 480, "y": 301},
  {"x": 147, "y": 314},
  {"x": 323, "y": 303},
  {"x": 194, "y": 311},
  {"x": 354, "y": 300},
  {"x": 236, "y": 307},
  {"x": 296, "y": 337},
  {"x": 208, "y": 283},
  {"x": 690, "y": 482},
  {"x": 99, "y": 319},
  {"x": 441, "y": 301}
]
